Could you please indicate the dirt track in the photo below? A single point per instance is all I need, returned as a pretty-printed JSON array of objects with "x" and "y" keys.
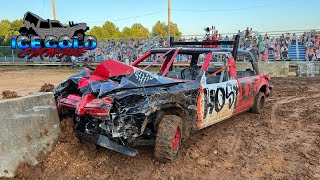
[{"x": 282, "y": 143}]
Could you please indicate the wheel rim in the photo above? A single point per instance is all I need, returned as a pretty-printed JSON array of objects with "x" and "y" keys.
[{"x": 176, "y": 140}]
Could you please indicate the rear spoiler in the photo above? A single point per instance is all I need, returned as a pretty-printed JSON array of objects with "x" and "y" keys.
[{"x": 235, "y": 44}]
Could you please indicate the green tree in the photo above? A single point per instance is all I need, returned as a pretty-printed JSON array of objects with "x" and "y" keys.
[
  {"x": 9, "y": 29},
  {"x": 161, "y": 28},
  {"x": 136, "y": 30},
  {"x": 174, "y": 30},
  {"x": 126, "y": 32},
  {"x": 107, "y": 30}
]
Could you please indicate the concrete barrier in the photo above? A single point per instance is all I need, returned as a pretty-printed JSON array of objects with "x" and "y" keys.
[
  {"x": 309, "y": 69},
  {"x": 29, "y": 128},
  {"x": 274, "y": 69}
]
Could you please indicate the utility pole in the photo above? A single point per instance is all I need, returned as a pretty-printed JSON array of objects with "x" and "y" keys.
[
  {"x": 169, "y": 21},
  {"x": 53, "y": 10}
]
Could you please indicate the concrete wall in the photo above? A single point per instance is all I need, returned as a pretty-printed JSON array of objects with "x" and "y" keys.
[
  {"x": 29, "y": 128},
  {"x": 274, "y": 69},
  {"x": 308, "y": 69}
]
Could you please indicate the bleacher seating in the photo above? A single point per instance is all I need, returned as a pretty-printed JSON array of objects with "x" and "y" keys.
[{"x": 293, "y": 53}]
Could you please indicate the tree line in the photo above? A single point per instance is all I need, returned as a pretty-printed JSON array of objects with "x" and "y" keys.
[
  {"x": 107, "y": 30},
  {"x": 110, "y": 30}
]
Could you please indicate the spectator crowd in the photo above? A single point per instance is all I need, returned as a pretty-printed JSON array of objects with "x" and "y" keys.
[
  {"x": 278, "y": 46},
  {"x": 261, "y": 46},
  {"x": 122, "y": 50}
]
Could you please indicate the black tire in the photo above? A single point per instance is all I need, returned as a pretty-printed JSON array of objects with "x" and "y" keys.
[
  {"x": 168, "y": 139},
  {"x": 259, "y": 101},
  {"x": 79, "y": 35},
  {"x": 23, "y": 31}
]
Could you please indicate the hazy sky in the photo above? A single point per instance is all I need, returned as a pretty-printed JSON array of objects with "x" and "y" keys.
[{"x": 190, "y": 15}]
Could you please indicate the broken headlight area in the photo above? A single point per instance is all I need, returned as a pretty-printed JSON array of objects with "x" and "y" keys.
[{"x": 99, "y": 107}]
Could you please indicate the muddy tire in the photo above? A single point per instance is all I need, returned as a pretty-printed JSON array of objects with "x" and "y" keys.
[
  {"x": 258, "y": 105},
  {"x": 168, "y": 139}
]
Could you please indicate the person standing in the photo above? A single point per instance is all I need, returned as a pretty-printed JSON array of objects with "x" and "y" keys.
[
  {"x": 285, "y": 54},
  {"x": 262, "y": 47},
  {"x": 260, "y": 38},
  {"x": 73, "y": 61},
  {"x": 226, "y": 39},
  {"x": 254, "y": 52},
  {"x": 250, "y": 34},
  {"x": 318, "y": 54},
  {"x": 266, "y": 54},
  {"x": 294, "y": 39}
]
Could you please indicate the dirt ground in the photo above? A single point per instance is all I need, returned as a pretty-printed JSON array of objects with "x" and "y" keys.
[
  {"x": 30, "y": 80},
  {"x": 281, "y": 143}
]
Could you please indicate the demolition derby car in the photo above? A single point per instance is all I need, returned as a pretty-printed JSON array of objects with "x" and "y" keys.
[{"x": 120, "y": 106}]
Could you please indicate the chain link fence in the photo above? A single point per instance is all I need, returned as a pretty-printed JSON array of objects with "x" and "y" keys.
[{"x": 126, "y": 48}]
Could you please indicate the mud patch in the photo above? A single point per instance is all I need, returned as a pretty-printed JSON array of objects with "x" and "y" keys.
[
  {"x": 47, "y": 87},
  {"x": 278, "y": 144},
  {"x": 7, "y": 94},
  {"x": 69, "y": 156}
]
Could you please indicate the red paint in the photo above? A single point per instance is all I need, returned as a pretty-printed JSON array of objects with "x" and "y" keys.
[
  {"x": 105, "y": 70},
  {"x": 98, "y": 107},
  {"x": 170, "y": 62},
  {"x": 71, "y": 101},
  {"x": 232, "y": 67},
  {"x": 51, "y": 52},
  {"x": 85, "y": 99},
  {"x": 164, "y": 64},
  {"x": 97, "y": 112},
  {"x": 156, "y": 60},
  {"x": 248, "y": 89},
  {"x": 142, "y": 58},
  {"x": 176, "y": 139},
  {"x": 207, "y": 62}
]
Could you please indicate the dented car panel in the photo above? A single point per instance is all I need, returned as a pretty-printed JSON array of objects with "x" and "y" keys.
[{"x": 122, "y": 104}]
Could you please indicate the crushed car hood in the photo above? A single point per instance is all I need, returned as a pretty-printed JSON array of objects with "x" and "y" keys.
[{"x": 109, "y": 76}]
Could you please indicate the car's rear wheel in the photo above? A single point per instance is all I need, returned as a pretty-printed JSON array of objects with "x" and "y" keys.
[
  {"x": 23, "y": 31},
  {"x": 258, "y": 105},
  {"x": 168, "y": 139}
]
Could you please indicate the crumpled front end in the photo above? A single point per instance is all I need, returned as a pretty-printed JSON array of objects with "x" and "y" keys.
[{"x": 109, "y": 105}]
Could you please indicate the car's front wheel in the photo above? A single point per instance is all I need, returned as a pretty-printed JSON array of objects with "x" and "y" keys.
[{"x": 168, "y": 139}]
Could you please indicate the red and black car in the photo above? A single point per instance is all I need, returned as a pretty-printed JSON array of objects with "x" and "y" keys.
[{"x": 120, "y": 106}]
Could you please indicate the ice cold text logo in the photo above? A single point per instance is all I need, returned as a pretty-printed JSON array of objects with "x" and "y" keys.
[{"x": 51, "y": 46}]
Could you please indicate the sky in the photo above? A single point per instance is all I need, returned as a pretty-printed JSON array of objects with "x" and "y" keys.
[{"x": 192, "y": 16}]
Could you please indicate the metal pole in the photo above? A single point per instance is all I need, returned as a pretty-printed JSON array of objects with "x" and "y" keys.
[
  {"x": 169, "y": 21},
  {"x": 12, "y": 55},
  {"x": 53, "y": 10}
]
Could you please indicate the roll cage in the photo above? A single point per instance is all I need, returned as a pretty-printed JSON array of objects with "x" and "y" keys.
[{"x": 195, "y": 49}]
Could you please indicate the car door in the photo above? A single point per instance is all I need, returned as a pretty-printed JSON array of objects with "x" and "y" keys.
[
  {"x": 248, "y": 85},
  {"x": 217, "y": 99}
]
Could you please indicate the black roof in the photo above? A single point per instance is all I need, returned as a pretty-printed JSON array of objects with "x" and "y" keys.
[{"x": 196, "y": 50}]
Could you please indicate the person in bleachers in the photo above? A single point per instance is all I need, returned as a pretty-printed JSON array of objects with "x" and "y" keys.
[{"x": 254, "y": 52}]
